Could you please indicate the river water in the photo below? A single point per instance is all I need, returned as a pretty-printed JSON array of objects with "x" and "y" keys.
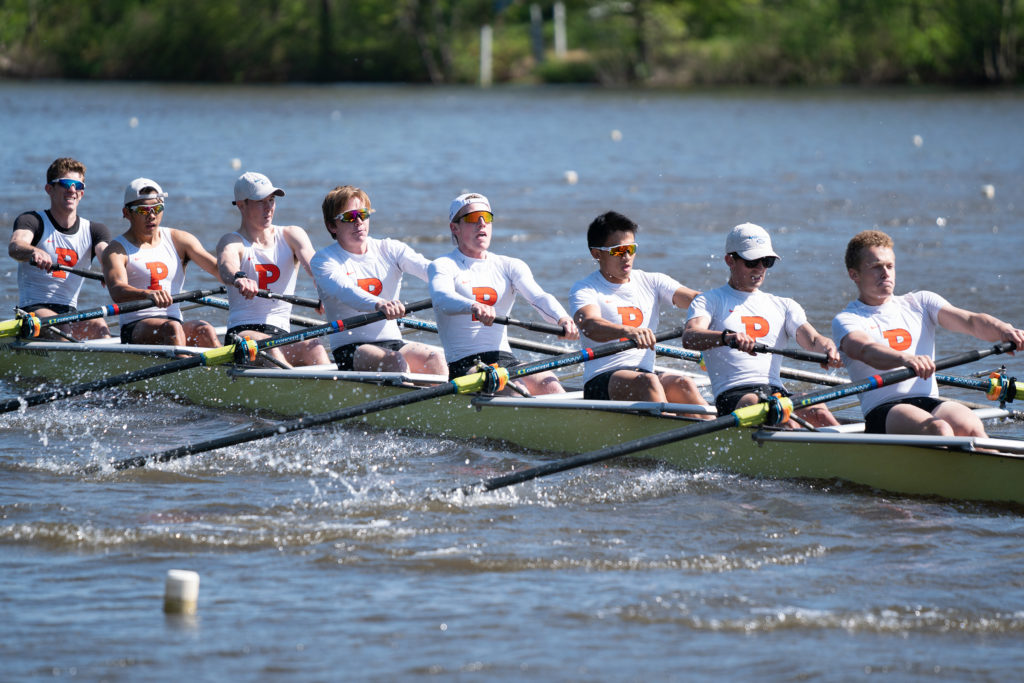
[{"x": 322, "y": 554}]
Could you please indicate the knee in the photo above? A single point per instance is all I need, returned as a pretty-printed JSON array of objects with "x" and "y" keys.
[{"x": 937, "y": 427}]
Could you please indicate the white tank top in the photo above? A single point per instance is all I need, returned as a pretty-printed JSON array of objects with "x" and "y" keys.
[
  {"x": 36, "y": 286},
  {"x": 158, "y": 267},
  {"x": 273, "y": 269}
]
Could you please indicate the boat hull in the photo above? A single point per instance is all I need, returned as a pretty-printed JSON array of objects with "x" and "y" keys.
[{"x": 909, "y": 465}]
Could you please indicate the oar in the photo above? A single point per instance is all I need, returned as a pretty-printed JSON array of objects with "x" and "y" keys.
[
  {"x": 748, "y": 416},
  {"x": 217, "y": 356},
  {"x": 10, "y": 328},
  {"x": 296, "y": 319},
  {"x": 492, "y": 380},
  {"x": 528, "y": 325},
  {"x": 290, "y": 298},
  {"x": 92, "y": 275},
  {"x": 523, "y": 344}
]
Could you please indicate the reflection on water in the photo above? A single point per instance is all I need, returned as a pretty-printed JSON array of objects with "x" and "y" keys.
[{"x": 336, "y": 550}]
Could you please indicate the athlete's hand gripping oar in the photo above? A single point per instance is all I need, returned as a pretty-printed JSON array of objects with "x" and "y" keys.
[
  {"x": 290, "y": 298},
  {"x": 223, "y": 354},
  {"x": 90, "y": 274},
  {"x": 492, "y": 380},
  {"x": 32, "y": 325},
  {"x": 772, "y": 412}
]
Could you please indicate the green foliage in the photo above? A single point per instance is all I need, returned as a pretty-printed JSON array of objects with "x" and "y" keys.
[{"x": 670, "y": 42}]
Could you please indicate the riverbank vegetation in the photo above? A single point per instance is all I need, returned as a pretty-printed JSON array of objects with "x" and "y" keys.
[{"x": 654, "y": 42}]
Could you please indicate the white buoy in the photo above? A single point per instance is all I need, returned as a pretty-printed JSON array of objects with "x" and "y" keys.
[
  {"x": 572, "y": 177},
  {"x": 989, "y": 191},
  {"x": 133, "y": 122},
  {"x": 236, "y": 163},
  {"x": 918, "y": 141},
  {"x": 181, "y": 591},
  {"x": 617, "y": 135},
  {"x": 940, "y": 221}
]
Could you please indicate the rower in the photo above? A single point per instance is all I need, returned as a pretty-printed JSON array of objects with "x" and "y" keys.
[
  {"x": 263, "y": 256},
  {"x": 881, "y": 330},
  {"x": 471, "y": 286},
  {"x": 148, "y": 261},
  {"x": 58, "y": 236},
  {"x": 617, "y": 301},
  {"x": 362, "y": 274},
  {"x": 725, "y": 324}
]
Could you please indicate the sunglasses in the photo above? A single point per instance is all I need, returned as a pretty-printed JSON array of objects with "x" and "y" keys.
[
  {"x": 146, "y": 209},
  {"x": 619, "y": 249},
  {"x": 69, "y": 184},
  {"x": 475, "y": 216},
  {"x": 766, "y": 261},
  {"x": 353, "y": 215}
]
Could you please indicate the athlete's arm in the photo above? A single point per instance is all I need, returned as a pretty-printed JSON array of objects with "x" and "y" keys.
[
  {"x": 859, "y": 346},
  {"x": 812, "y": 340},
  {"x": 190, "y": 249},
  {"x": 114, "y": 262},
  {"x": 980, "y": 325}
]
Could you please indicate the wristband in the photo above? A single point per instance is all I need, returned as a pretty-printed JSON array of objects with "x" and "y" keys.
[
  {"x": 725, "y": 332},
  {"x": 240, "y": 274}
]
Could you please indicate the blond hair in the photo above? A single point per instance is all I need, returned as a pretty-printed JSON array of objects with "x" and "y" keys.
[{"x": 337, "y": 198}]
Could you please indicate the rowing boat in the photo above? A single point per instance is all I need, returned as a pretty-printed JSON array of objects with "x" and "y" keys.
[{"x": 960, "y": 468}]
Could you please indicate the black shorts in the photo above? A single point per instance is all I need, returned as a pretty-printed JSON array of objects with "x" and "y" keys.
[
  {"x": 272, "y": 330},
  {"x": 59, "y": 309},
  {"x": 127, "y": 330},
  {"x": 596, "y": 388},
  {"x": 467, "y": 365},
  {"x": 344, "y": 355},
  {"x": 726, "y": 401},
  {"x": 874, "y": 421}
]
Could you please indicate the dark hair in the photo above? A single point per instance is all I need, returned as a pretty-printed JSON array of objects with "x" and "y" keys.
[
  {"x": 61, "y": 167},
  {"x": 607, "y": 223}
]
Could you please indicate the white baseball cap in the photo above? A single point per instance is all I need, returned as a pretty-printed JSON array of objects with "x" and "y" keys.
[
  {"x": 142, "y": 188},
  {"x": 255, "y": 186},
  {"x": 465, "y": 200},
  {"x": 750, "y": 242}
]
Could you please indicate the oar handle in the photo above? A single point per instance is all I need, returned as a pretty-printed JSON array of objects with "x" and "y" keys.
[
  {"x": 290, "y": 298},
  {"x": 91, "y": 275},
  {"x": 533, "y": 326},
  {"x": 795, "y": 354}
]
